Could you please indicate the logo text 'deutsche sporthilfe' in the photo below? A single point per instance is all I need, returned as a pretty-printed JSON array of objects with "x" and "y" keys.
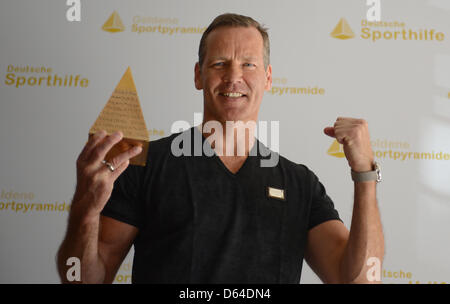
[{"x": 386, "y": 31}]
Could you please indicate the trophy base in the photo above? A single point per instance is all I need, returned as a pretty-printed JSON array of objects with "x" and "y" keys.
[{"x": 126, "y": 144}]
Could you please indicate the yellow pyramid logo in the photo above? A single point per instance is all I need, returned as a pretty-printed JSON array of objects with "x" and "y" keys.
[
  {"x": 113, "y": 24},
  {"x": 342, "y": 30},
  {"x": 336, "y": 150},
  {"x": 123, "y": 112}
]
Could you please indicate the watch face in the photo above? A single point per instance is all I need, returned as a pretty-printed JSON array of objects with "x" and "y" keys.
[{"x": 377, "y": 171}]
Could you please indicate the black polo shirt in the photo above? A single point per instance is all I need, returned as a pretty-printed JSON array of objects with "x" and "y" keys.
[{"x": 200, "y": 223}]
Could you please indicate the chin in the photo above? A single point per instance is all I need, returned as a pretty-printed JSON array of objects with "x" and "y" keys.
[{"x": 234, "y": 115}]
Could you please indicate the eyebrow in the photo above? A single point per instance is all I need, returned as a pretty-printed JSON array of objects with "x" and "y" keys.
[
  {"x": 218, "y": 58},
  {"x": 245, "y": 58}
]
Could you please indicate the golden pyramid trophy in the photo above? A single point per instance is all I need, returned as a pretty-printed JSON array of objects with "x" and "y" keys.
[{"x": 123, "y": 113}]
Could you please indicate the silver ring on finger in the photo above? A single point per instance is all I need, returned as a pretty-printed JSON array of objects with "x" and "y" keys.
[{"x": 109, "y": 165}]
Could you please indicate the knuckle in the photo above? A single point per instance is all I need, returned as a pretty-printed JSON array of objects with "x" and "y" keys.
[
  {"x": 97, "y": 152},
  {"x": 98, "y": 135},
  {"x": 362, "y": 127},
  {"x": 81, "y": 157},
  {"x": 101, "y": 182},
  {"x": 362, "y": 122},
  {"x": 85, "y": 171},
  {"x": 91, "y": 179},
  {"x": 114, "y": 162},
  {"x": 104, "y": 185}
]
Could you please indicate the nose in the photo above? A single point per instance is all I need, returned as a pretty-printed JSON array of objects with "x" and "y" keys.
[{"x": 233, "y": 73}]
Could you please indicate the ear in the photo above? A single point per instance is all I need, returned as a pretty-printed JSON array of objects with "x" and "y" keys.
[
  {"x": 268, "y": 85},
  {"x": 198, "y": 77}
]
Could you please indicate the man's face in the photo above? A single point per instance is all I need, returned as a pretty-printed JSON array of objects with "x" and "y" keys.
[{"x": 232, "y": 76}]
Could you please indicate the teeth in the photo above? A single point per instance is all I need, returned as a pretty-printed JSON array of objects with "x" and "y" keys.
[{"x": 233, "y": 94}]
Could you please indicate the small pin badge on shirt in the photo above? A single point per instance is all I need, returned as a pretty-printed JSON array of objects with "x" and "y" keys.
[{"x": 276, "y": 193}]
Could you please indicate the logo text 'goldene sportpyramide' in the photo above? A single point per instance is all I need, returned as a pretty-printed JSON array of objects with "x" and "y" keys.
[
  {"x": 336, "y": 150},
  {"x": 123, "y": 113},
  {"x": 342, "y": 30},
  {"x": 113, "y": 24}
]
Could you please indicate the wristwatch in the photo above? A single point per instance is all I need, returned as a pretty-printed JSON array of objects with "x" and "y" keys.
[{"x": 374, "y": 175}]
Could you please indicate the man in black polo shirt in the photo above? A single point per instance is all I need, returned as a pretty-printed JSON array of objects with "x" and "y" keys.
[{"x": 221, "y": 218}]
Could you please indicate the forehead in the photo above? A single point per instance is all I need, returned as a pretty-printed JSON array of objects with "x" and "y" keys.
[{"x": 246, "y": 41}]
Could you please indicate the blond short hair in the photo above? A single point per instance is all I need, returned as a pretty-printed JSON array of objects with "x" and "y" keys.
[{"x": 235, "y": 20}]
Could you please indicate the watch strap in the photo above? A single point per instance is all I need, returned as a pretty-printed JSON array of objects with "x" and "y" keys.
[
  {"x": 364, "y": 176},
  {"x": 374, "y": 175}
]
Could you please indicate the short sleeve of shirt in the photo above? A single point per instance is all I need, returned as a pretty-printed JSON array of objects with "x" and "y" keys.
[
  {"x": 322, "y": 207},
  {"x": 125, "y": 204}
]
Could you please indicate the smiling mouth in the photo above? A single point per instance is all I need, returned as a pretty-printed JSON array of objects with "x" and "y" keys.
[{"x": 232, "y": 94}]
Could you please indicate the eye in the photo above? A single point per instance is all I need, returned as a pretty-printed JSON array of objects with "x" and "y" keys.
[
  {"x": 249, "y": 65},
  {"x": 218, "y": 64}
]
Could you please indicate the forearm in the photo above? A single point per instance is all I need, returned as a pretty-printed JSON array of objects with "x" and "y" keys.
[
  {"x": 81, "y": 241},
  {"x": 366, "y": 235}
]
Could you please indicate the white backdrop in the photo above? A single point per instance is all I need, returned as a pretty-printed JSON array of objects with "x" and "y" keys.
[{"x": 399, "y": 82}]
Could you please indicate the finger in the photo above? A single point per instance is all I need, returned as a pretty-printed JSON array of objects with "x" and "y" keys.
[
  {"x": 340, "y": 139},
  {"x": 351, "y": 130},
  {"x": 352, "y": 119},
  {"x": 343, "y": 134},
  {"x": 127, "y": 155},
  {"x": 119, "y": 170},
  {"x": 91, "y": 143},
  {"x": 329, "y": 131},
  {"x": 99, "y": 152},
  {"x": 345, "y": 122},
  {"x": 343, "y": 128}
]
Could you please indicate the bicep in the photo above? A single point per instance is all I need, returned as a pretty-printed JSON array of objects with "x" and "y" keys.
[
  {"x": 115, "y": 240},
  {"x": 324, "y": 249}
]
